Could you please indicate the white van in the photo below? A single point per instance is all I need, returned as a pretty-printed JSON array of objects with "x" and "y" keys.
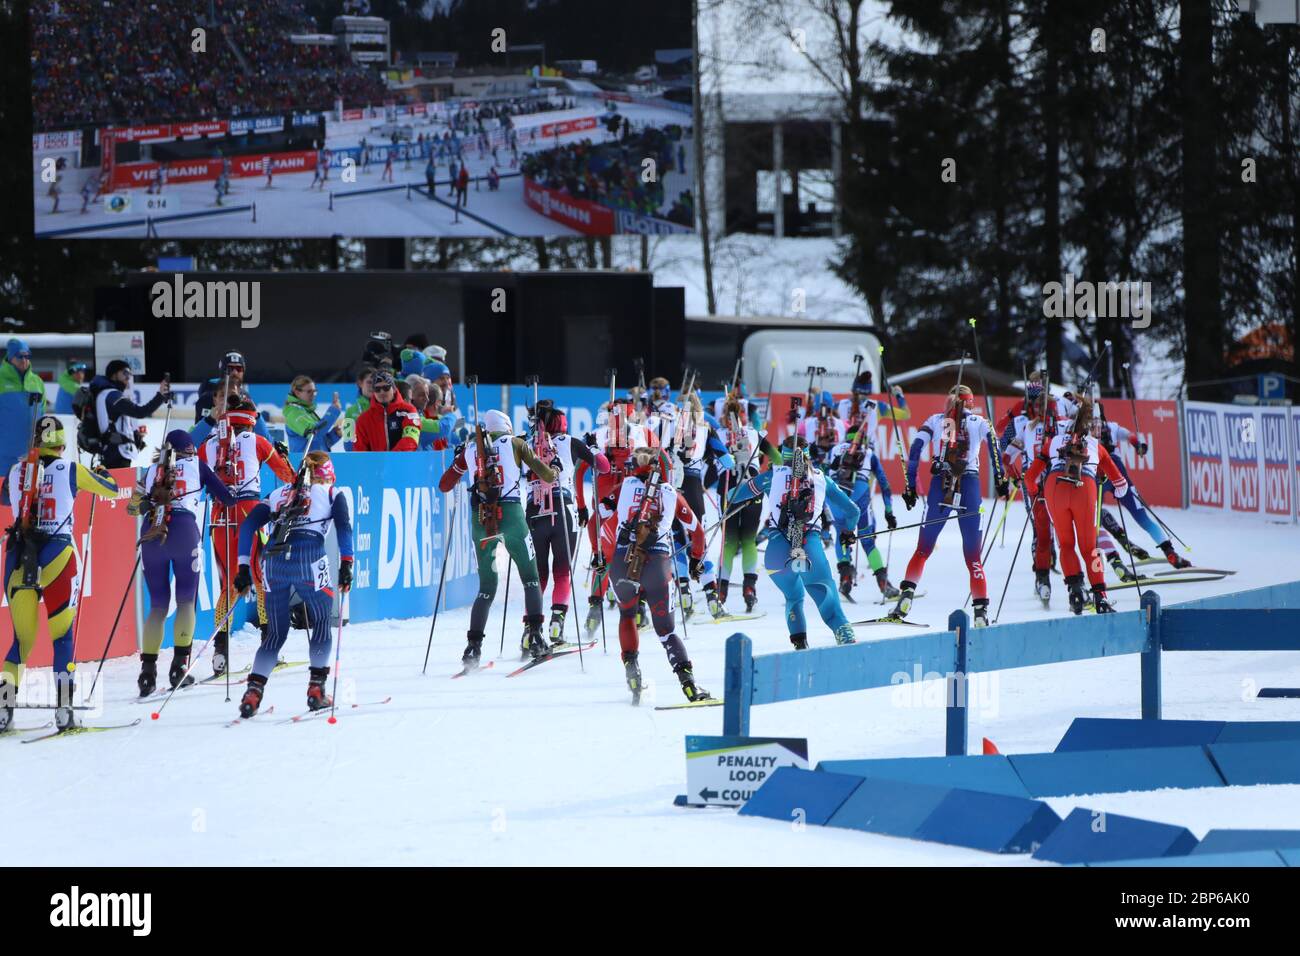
[{"x": 786, "y": 357}]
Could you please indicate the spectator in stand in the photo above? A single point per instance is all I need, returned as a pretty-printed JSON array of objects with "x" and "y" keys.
[
  {"x": 435, "y": 429},
  {"x": 22, "y": 402},
  {"x": 303, "y": 427},
  {"x": 494, "y": 180},
  {"x": 431, "y": 177},
  {"x": 70, "y": 380},
  {"x": 462, "y": 187},
  {"x": 358, "y": 407},
  {"x": 412, "y": 362},
  {"x": 230, "y": 370},
  {"x": 390, "y": 423}
]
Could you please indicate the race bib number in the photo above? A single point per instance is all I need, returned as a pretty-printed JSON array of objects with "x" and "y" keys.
[{"x": 322, "y": 571}]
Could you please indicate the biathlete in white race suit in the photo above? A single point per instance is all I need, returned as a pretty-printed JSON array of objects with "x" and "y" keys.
[
  {"x": 637, "y": 538},
  {"x": 295, "y": 562},
  {"x": 170, "y": 498},
  {"x": 1026, "y": 428},
  {"x": 551, "y": 511},
  {"x": 954, "y": 436}
]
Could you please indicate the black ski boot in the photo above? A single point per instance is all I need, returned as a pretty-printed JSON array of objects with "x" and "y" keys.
[
  {"x": 846, "y": 580},
  {"x": 688, "y": 602},
  {"x": 537, "y": 645},
  {"x": 887, "y": 590},
  {"x": 525, "y": 642},
  {"x": 557, "y": 626},
  {"x": 252, "y": 698},
  {"x": 1117, "y": 565},
  {"x": 1043, "y": 585},
  {"x": 692, "y": 692},
  {"x": 473, "y": 649},
  {"x": 317, "y": 699},
  {"x": 220, "y": 651},
  {"x": 750, "y": 592},
  {"x": 633, "y": 671},
  {"x": 180, "y": 664},
  {"x": 1173, "y": 557},
  {"x": 981, "y": 606},
  {"x": 1075, "y": 583},
  {"x": 800, "y": 641},
  {"x": 1099, "y": 602},
  {"x": 715, "y": 605},
  {"x": 64, "y": 716},
  {"x": 595, "y": 616},
  {"x": 147, "y": 682},
  {"x": 8, "y": 697},
  {"x": 905, "y": 598}
]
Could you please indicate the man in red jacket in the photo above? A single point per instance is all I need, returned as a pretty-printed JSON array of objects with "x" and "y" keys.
[{"x": 391, "y": 423}]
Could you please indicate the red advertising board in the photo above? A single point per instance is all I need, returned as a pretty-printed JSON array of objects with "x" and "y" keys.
[
  {"x": 564, "y": 127},
  {"x": 112, "y": 553},
  {"x": 587, "y": 217},
  {"x": 1158, "y": 474},
  {"x": 141, "y": 175},
  {"x": 354, "y": 114}
]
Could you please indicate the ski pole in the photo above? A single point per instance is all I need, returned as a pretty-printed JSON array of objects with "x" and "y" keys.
[
  {"x": 571, "y": 559},
  {"x": 442, "y": 577},
  {"x": 338, "y": 644},
  {"x": 116, "y": 620},
  {"x": 510, "y": 563},
  {"x": 1132, "y": 563},
  {"x": 1011, "y": 570}
]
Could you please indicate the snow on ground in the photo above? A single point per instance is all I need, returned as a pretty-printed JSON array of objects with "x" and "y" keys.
[{"x": 555, "y": 766}]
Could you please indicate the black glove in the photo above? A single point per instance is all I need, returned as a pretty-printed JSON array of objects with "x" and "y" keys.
[
  {"x": 909, "y": 497},
  {"x": 1003, "y": 488},
  {"x": 590, "y": 439},
  {"x": 243, "y": 579},
  {"x": 891, "y": 520},
  {"x": 583, "y": 516},
  {"x": 697, "y": 568},
  {"x": 102, "y": 472},
  {"x": 609, "y": 501},
  {"x": 1141, "y": 449},
  {"x": 848, "y": 539},
  {"x": 345, "y": 576},
  {"x": 282, "y": 448},
  {"x": 35, "y": 398},
  {"x": 458, "y": 451}
]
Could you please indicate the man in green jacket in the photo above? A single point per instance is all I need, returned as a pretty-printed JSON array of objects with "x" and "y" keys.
[
  {"x": 302, "y": 426},
  {"x": 22, "y": 401}
]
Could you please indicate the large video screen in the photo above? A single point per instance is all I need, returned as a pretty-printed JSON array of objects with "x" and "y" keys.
[{"x": 296, "y": 118}]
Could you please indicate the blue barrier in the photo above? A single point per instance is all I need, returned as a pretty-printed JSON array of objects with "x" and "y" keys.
[
  {"x": 1089, "y": 836},
  {"x": 1265, "y": 619}
]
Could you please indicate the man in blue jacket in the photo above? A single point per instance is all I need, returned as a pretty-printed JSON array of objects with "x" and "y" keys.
[{"x": 22, "y": 401}]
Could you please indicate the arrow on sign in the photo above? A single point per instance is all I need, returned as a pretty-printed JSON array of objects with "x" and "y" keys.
[{"x": 708, "y": 794}]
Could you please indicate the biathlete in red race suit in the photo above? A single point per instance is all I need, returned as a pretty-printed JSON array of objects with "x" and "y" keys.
[
  {"x": 637, "y": 538},
  {"x": 1072, "y": 462},
  {"x": 236, "y": 454}
]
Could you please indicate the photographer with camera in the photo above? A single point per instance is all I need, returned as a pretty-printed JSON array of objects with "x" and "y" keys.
[{"x": 109, "y": 426}]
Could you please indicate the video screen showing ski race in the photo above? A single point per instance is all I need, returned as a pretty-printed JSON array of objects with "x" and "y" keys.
[{"x": 362, "y": 118}]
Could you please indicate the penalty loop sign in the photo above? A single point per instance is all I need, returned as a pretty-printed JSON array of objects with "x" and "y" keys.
[{"x": 725, "y": 771}]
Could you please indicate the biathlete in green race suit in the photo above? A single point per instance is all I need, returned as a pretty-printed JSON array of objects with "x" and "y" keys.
[{"x": 499, "y": 488}]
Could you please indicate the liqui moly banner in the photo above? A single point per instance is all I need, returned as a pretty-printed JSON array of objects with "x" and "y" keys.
[
  {"x": 1274, "y": 445},
  {"x": 1203, "y": 426},
  {"x": 1241, "y": 459}
]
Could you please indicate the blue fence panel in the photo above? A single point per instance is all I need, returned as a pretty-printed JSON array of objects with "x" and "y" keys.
[
  {"x": 794, "y": 675},
  {"x": 1056, "y": 640}
]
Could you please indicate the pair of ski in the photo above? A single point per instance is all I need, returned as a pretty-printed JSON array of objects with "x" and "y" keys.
[
  {"x": 1173, "y": 576},
  {"x": 306, "y": 714},
  {"x": 564, "y": 651},
  {"x": 78, "y": 731}
]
